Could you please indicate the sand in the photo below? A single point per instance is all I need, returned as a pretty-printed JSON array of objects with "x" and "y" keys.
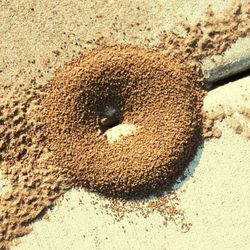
[
  {"x": 140, "y": 86},
  {"x": 32, "y": 59},
  {"x": 215, "y": 199},
  {"x": 60, "y": 29}
]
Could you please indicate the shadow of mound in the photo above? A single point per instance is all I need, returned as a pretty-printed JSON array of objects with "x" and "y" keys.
[{"x": 189, "y": 170}]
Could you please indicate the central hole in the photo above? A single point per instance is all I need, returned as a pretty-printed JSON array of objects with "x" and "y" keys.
[
  {"x": 110, "y": 118},
  {"x": 111, "y": 125}
]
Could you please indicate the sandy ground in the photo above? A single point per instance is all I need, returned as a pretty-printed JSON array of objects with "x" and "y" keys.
[
  {"x": 235, "y": 60},
  {"x": 216, "y": 201},
  {"x": 38, "y": 36}
]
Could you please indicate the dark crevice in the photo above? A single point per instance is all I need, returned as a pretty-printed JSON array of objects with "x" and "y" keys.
[
  {"x": 113, "y": 124},
  {"x": 108, "y": 123},
  {"x": 230, "y": 79}
]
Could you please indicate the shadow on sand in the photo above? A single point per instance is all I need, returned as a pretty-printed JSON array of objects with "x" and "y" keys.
[
  {"x": 187, "y": 174},
  {"x": 189, "y": 171}
]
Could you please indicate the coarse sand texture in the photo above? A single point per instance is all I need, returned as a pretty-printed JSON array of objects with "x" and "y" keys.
[
  {"x": 123, "y": 85},
  {"x": 56, "y": 136}
]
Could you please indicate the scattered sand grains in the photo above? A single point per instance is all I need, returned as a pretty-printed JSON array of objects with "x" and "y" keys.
[
  {"x": 245, "y": 112},
  {"x": 236, "y": 126},
  {"x": 34, "y": 185},
  {"x": 218, "y": 115},
  {"x": 211, "y": 36}
]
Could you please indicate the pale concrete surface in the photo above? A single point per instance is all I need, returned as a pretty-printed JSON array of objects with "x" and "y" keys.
[
  {"x": 216, "y": 201},
  {"x": 236, "y": 59}
]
